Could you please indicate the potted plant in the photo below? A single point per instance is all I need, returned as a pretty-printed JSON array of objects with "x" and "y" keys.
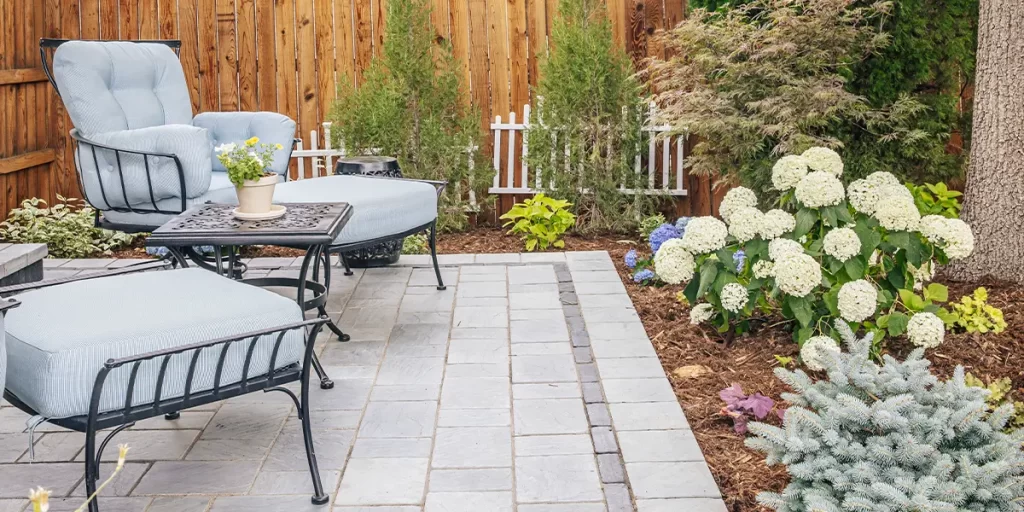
[{"x": 247, "y": 169}]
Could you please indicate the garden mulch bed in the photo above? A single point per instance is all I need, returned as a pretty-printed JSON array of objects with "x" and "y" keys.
[{"x": 699, "y": 365}]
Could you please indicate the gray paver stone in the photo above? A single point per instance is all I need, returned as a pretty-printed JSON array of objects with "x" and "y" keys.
[
  {"x": 611, "y": 469},
  {"x": 604, "y": 440},
  {"x": 557, "y": 478},
  {"x": 383, "y": 482},
  {"x": 618, "y": 498}
]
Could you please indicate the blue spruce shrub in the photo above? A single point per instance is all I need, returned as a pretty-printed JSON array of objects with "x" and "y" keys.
[{"x": 890, "y": 438}]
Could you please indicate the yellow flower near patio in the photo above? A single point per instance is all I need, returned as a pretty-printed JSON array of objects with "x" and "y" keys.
[
  {"x": 40, "y": 499},
  {"x": 278, "y": 146},
  {"x": 252, "y": 141}
]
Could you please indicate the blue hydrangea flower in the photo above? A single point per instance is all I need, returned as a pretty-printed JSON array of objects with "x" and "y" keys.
[
  {"x": 739, "y": 258},
  {"x": 643, "y": 275},
  {"x": 630, "y": 258},
  {"x": 662, "y": 234},
  {"x": 160, "y": 252},
  {"x": 681, "y": 223}
]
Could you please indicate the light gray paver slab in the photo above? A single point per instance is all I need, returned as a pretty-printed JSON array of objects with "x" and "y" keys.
[
  {"x": 546, "y": 390},
  {"x": 480, "y": 317},
  {"x": 462, "y": 351},
  {"x": 469, "y": 502},
  {"x": 549, "y": 416},
  {"x": 122, "y": 485},
  {"x": 16, "y": 479},
  {"x": 399, "y": 419},
  {"x": 545, "y": 368},
  {"x": 388, "y": 448},
  {"x": 630, "y": 368},
  {"x": 179, "y": 504},
  {"x": 174, "y": 477},
  {"x": 675, "y": 505},
  {"x": 659, "y": 446},
  {"x": 474, "y": 418},
  {"x": 638, "y": 390},
  {"x": 571, "y": 444},
  {"x": 648, "y": 416},
  {"x": 563, "y": 507},
  {"x": 671, "y": 480},
  {"x": 383, "y": 482},
  {"x": 475, "y": 393},
  {"x": 497, "y": 258},
  {"x": 472, "y": 447},
  {"x": 461, "y": 480},
  {"x": 109, "y": 504},
  {"x": 264, "y": 504},
  {"x": 557, "y": 478},
  {"x": 291, "y": 482}
]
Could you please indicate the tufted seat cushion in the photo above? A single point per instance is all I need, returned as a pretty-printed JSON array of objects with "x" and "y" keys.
[
  {"x": 236, "y": 127},
  {"x": 59, "y": 338},
  {"x": 3, "y": 356}
]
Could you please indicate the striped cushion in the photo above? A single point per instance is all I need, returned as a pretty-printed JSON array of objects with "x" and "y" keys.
[
  {"x": 3, "y": 356},
  {"x": 237, "y": 127},
  {"x": 59, "y": 338}
]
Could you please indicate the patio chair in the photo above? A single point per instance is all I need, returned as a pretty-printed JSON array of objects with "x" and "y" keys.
[
  {"x": 160, "y": 341},
  {"x": 142, "y": 158}
]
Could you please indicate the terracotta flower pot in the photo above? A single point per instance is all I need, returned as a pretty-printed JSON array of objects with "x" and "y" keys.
[{"x": 255, "y": 196}]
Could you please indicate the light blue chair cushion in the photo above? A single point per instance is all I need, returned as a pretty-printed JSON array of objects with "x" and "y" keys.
[
  {"x": 59, "y": 338},
  {"x": 236, "y": 127},
  {"x": 3, "y": 356},
  {"x": 103, "y": 185},
  {"x": 110, "y": 86},
  {"x": 380, "y": 206}
]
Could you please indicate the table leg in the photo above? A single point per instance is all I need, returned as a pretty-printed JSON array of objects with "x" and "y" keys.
[
  {"x": 313, "y": 253},
  {"x": 327, "y": 284}
]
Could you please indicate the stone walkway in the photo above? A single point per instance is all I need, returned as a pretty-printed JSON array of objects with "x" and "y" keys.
[{"x": 528, "y": 385}]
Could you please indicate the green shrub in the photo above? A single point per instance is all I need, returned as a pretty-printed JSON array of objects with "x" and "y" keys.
[
  {"x": 411, "y": 105},
  {"x": 975, "y": 314},
  {"x": 541, "y": 221},
  {"x": 857, "y": 253},
  {"x": 649, "y": 224},
  {"x": 770, "y": 78},
  {"x": 585, "y": 130},
  {"x": 67, "y": 228},
  {"x": 890, "y": 437},
  {"x": 936, "y": 199},
  {"x": 415, "y": 244}
]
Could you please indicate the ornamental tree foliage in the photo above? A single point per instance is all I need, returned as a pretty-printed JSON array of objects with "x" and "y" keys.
[
  {"x": 411, "y": 105},
  {"x": 890, "y": 438},
  {"x": 770, "y": 77},
  {"x": 585, "y": 129}
]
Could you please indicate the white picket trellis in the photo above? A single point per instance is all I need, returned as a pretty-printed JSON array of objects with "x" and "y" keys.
[
  {"x": 321, "y": 161},
  {"x": 672, "y": 172}
]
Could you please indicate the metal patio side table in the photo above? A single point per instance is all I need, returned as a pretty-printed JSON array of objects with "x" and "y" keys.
[{"x": 309, "y": 226}]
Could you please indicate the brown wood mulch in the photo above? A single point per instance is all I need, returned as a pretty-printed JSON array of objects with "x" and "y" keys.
[{"x": 699, "y": 365}]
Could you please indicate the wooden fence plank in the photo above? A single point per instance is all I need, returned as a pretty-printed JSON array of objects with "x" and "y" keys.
[
  {"x": 246, "y": 40},
  {"x": 109, "y": 28},
  {"x": 497, "y": 44},
  {"x": 284, "y": 21},
  {"x": 478, "y": 62},
  {"x": 518, "y": 54},
  {"x": 151, "y": 13},
  {"x": 617, "y": 14},
  {"x": 654, "y": 21},
  {"x": 344, "y": 41},
  {"x": 323, "y": 25},
  {"x": 90, "y": 19},
  {"x": 304, "y": 37},
  {"x": 188, "y": 32},
  {"x": 459, "y": 34},
  {"x": 65, "y": 182},
  {"x": 439, "y": 19},
  {"x": 26, "y": 160},
  {"x": 206, "y": 16},
  {"x": 537, "y": 35},
  {"x": 380, "y": 22},
  {"x": 227, "y": 56},
  {"x": 21, "y": 76},
  {"x": 168, "y": 22},
  {"x": 266, "y": 60},
  {"x": 128, "y": 19},
  {"x": 364, "y": 37}
]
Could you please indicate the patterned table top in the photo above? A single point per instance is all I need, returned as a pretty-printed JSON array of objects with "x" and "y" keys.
[{"x": 213, "y": 224}]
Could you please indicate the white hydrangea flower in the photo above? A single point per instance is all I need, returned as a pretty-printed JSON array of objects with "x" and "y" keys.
[
  {"x": 776, "y": 223},
  {"x": 797, "y": 274},
  {"x": 746, "y": 223},
  {"x": 824, "y": 159},
  {"x": 883, "y": 179},
  {"x": 857, "y": 300},
  {"x": 933, "y": 227},
  {"x": 781, "y": 247},
  {"x": 734, "y": 297},
  {"x": 959, "y": 239},
  {"x": 898, "y": 213},
  {"x": 842, "y": 244},
  {"x": 863, "y": 196},
  {"x": 704, "y": 235},
  {"x": 739, "y": 197},
  {"x": 926, "y": 330},
  {"x": 672, "y": 263},
  {"x": 763, "y": 269},
  {"x": 894, "y": 191},
  {"x": 819, "y": 189},
  {"x": 922, "y": 274},
  {"x": 788, "y": 171},
  {"x": 818, "y": 351},
  {"x": 701, "y": 313}
]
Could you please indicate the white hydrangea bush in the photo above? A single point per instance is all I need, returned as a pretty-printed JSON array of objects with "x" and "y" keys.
[
  {"x": 862, "y": 254},
  {"x": 889, "y": 437}
]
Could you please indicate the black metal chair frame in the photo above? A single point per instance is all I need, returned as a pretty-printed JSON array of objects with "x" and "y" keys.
[{"x": 266, "y": 380}]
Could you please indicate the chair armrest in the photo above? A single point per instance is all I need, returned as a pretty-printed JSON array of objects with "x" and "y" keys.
[
  {"x": 6, "y": 304},
  {"x": 138, "y": 267},
  {"x": 236, "y": 127}
]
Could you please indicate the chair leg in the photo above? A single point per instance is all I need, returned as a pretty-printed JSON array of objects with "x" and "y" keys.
[
  {"x": 319, "y": 497},
  {"x": 344, "y": 261},
  {"x": 433, "y": 255},
  {"x": 91, "y": 469},
  {"x": 172, "y": 415}
]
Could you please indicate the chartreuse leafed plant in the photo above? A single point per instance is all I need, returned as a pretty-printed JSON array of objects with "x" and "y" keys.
[
  {"x": 975, "y": 314},
  {"x": 40, "y": 497},
  {"x": 1001, "y": 393},
  {"x": 541, "y": 220},
  {"x": 769, "y": 77},
  {"x": 854, "y": 253},
  {"x": 585, "y": 130},
  {"x": 411, "y": 105},
  {"x": 936, "y": 199},
  {"x": 68, "y": 228},
  {"x": 890, "y": 438}
]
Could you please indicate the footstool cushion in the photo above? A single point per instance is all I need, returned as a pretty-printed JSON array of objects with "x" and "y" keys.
[
  {"x": 60, "y": 337},
  {"x": 381, "y": 207}
]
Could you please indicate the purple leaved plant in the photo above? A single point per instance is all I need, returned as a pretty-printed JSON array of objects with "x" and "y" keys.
[{"x": 742, "y": 407}]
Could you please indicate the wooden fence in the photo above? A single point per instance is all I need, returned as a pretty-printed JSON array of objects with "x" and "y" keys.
[{"x": 280, "y": 55}]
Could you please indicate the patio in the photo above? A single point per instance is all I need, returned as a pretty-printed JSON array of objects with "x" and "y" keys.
[{"x": 529, "y": 384}]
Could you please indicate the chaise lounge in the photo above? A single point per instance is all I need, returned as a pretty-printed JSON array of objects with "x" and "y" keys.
[{"x": 142, "y": 157}]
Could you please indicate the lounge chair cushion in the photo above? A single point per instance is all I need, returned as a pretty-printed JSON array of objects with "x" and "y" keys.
[
  {"x": 60, "y": 337},
  {"x": 3, "y": 356},
  {"x": 381, "y": 207},
  {"x": 237, "y": 127}
]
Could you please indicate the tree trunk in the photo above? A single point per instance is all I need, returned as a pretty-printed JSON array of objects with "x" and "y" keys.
[{"x": 994, "y": 199}]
